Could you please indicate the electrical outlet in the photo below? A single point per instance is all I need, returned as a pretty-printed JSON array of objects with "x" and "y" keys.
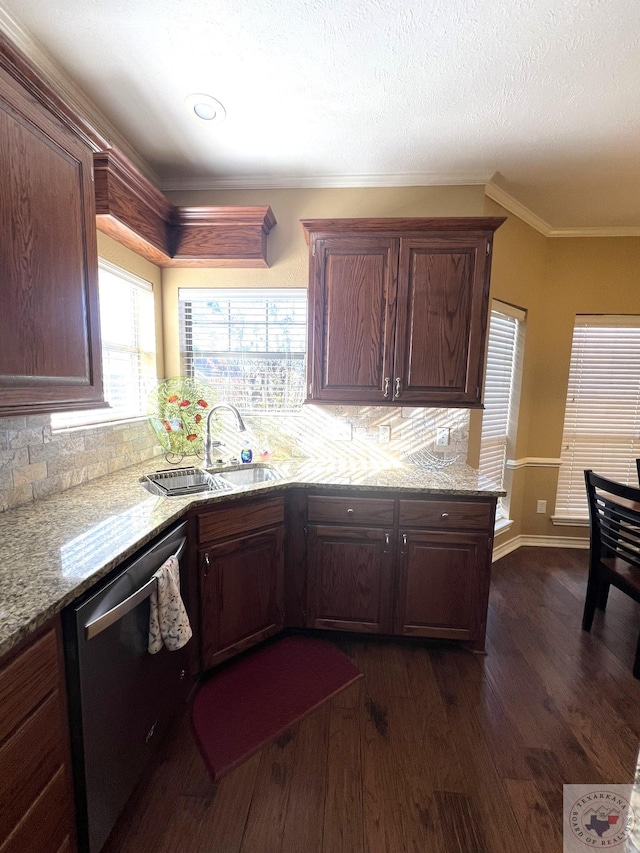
[
  {"x": 442, "y": 437},
  {"x": 541, "y": 506},
  {"x": 384, "y": 433}
]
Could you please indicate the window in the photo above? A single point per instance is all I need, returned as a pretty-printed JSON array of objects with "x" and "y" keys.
[
  {"x": 602, "y": 415},
  {"x": 127, "y": 327},
  {"x": 248, "y": 344},
  {"x": 501, "y": 393}
]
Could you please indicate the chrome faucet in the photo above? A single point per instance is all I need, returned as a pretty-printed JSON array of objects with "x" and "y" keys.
[{"x": 208, "y": 444}]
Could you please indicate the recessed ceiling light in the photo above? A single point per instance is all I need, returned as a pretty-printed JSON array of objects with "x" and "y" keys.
[{"x": 205, "y": 107}]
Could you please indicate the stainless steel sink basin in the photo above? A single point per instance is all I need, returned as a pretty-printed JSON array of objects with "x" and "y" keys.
[
  {"x": 248, "y": 475},
  {"x": 184, "y": 481}
]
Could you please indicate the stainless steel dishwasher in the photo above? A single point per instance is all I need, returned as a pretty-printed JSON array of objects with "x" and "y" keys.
[{"x": 121, "y": 698}]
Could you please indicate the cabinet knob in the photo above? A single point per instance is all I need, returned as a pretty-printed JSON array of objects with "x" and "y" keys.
[
  {"x": 445, "y": 515},
  {"x": 207, "y": 564},
  {"x": 349, "y": 511},
  {"x": 387, "y": 539}
]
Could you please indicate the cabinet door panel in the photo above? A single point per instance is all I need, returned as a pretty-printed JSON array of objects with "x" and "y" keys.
[
  {"x": 352, "y": 318},
  {"x": 442, "y": 299},
  {"x": 242, "y": 593},
  {"x": 349, "y": 579},
  {"x": 442, "y": 585},
  {"x": 48, "y": 256}
]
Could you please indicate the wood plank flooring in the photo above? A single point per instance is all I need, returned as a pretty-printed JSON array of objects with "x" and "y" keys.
[{"x": 436, "y": 750}]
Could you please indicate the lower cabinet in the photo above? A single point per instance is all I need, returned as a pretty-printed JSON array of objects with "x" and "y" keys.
[
  {"x": 348, "y": 579},
  {"x": 241, "y": 577},
  {"x": 415, "y": 568},
  {"x": 35, "y": 775}
]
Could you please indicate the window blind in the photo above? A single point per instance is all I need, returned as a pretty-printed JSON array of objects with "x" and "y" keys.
[
  {"x": 127, "y": 328},
  {"x": 249, "y": 344},
  {"x": 498, "y": 417},
  {"x": 602, "y": 414}
]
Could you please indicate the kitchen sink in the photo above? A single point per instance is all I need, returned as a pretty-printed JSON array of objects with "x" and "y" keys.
[
  {"x": 248, "y": 475},
  {"x": 191, "y": 481},
  {"x": 184, "y": 481}
]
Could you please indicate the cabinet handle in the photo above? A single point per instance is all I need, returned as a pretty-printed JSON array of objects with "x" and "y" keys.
[
  {"x": 404, "y": 538},
  {"x": 387, "y": 539},
  {"x": 349, "y": 511},
  {"x": 445, "y": 515},
  {"x": 387, "y": 380},
  {"x": 207, "y": 565},
  {"x": 398, "y": 387}
]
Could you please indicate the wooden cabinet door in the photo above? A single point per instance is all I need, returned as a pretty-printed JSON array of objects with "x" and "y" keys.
[
  {"x": 443, "y": 288},
  {"x": 443, "y": 585},
  {"x": 49, "y": 326},
  {"x": 242, "y": 593},
  {"x": 352, "y": 319},
  {"x": 349, "y": 579}
]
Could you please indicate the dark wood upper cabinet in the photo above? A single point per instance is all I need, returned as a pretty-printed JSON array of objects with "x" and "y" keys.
[
  {"x": 49, "y": 324},
  {"x": 398, "y": 310}
]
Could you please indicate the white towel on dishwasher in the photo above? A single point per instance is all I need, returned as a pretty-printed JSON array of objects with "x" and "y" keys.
[{"x": 168, "y": 620}]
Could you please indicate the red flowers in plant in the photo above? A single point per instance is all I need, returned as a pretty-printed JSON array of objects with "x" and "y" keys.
[
  {"x": 172, "y": 398},
  {"x": 203, "y": 403},
  {"x": 166, "y": 425},
  {"x": 185, "y": 403},
  {"x": 198, "y": 418},
  {"x": 192, "y": 436}
]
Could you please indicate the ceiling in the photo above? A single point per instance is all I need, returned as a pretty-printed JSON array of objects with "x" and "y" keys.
[{"x": 540, "y": 97}]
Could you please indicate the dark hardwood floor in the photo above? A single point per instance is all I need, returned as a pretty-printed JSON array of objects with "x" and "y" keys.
[{"x": 436, "y": 750}]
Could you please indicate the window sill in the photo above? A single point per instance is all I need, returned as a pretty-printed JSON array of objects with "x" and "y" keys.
[
  {"x": 563, "y": 521},
  {"x": 502, "y": 525}
]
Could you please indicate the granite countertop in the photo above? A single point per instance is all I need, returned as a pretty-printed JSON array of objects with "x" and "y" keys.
[{"x": 54, "y": 549}]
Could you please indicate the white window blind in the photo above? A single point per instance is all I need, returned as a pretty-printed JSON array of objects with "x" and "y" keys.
[
  {"x": 127, "y": 327},
  {"x": 602, "y": 415},
  {"x": 248, "y": 344},
  {"x": 499, "y": 416}
]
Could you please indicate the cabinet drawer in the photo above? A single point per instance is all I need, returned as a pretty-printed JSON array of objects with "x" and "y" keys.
[
  {"x": 352, "y": 510},
  {"x": 26, "y": 680},
  {"x": 241, "y": 518},
  {"x": 28, "y": 760},
  {"x": 466, "y": 515}
]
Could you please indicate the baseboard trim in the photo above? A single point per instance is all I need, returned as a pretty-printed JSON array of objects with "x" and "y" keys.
[{"x": 538, "y": 542}]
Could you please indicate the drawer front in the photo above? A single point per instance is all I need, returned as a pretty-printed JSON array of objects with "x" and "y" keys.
[
  {"x": 47, "y": 824},
  {"x": 352, "y": 510},
  {"x": 461, "y": 515},
  {"x": 242, "y": 518},
  {"x": 26, "y": 680},
  {"x": 28, "y": 760}
]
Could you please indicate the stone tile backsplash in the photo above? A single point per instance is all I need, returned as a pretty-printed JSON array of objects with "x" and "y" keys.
[{"x": 36, "y": 462}]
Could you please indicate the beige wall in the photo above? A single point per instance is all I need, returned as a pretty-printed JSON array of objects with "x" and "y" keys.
[
  {"x": 124, "y": 258},
  {"x": 553, "y": 279},
  {"x": 287, "y": 250}
]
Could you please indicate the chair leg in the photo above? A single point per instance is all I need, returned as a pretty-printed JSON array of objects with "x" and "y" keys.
[
  {"x": 591, "y": 600},
  {"x": 603, "y": 595},
  {"x": 636, "y": 663}
]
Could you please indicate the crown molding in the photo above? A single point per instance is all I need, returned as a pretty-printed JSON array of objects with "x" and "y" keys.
[
  {"x": 511, "y": 204},
  {"x": 269, "y": 182},
  {"x": 497, "y": 194}
]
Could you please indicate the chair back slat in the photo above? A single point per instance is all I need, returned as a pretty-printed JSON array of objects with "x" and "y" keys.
[{"x": 614, "y": 514}]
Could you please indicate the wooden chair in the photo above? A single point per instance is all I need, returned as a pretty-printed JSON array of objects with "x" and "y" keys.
[{"x": 614, "y": 517}]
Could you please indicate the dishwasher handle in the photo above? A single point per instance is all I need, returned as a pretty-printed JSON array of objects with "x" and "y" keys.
[{"x": 97, "y": 626}]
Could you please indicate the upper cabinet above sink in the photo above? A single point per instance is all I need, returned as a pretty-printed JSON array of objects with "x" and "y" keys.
[{"x": 398, "y": 310}]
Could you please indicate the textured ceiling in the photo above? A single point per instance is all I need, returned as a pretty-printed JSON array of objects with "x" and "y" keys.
[{"x": 368, "y": 92}]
